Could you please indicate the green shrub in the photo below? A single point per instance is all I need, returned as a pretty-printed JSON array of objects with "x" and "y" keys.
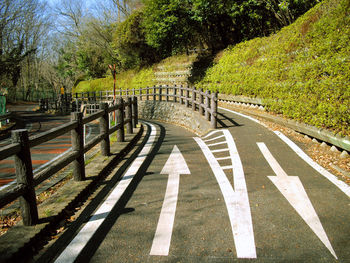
[
  {"x": 303, "y": 71},
  {"x": 126, "y": 80}
]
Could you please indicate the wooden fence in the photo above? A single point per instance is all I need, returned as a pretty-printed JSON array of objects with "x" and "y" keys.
[
  {"x": 198, "y": 100},
  {"x": 126, "y": 114}
]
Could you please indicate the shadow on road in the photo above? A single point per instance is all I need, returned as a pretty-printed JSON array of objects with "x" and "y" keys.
[
  {"x": 110, "y": 218},
  {"x": 226, "y": 122}
]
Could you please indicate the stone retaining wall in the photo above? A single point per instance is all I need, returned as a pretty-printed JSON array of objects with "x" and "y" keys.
[{"x": 174, "y": 113}]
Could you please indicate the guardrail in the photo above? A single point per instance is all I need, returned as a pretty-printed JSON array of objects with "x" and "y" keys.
[{"x": 126, "y": 114}]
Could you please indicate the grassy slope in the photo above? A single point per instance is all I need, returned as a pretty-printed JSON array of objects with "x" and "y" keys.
[
  {"x": 134, "y": 78},
  {"x": 126, "y": 80},
  {"x": 304, "y": 68}
]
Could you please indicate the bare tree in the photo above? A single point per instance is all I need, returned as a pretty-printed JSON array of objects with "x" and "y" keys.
[{"x": 21, "y": 27}]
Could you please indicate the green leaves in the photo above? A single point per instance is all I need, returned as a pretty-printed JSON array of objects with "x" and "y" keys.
[{"x": 304, "y": 74}]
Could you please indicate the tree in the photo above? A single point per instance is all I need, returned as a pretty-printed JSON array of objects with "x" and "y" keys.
[
  {"x": 21, "y": 25},
  {"x": 168, "y": 25},
  {"x": 130, "y": 43}
]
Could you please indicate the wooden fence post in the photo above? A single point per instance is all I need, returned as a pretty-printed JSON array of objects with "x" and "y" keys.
[
  {"x": 140, "y": 94},
  {"x": 181, "y": 95},
  {"x": 175, "y": 93},
  {"x": 120, "y": 120},
  {"x": 187, "y": 97},
  {"x": 77, "y": 137},
  {"x": 104, "y": 129},
  {"x": 160, "y": 93},
  {"x": 24, "y": 175},
  {"x": 128, "y": 114},
  {"x": 207, "y": 105},
  {"x": 167, "y": 93},
  {"x": 214, "y": 109},
  {"x": 147, "y": 92},
  {"x": 201, "y": 101},
  {"x": 135, "y": 118},
  {"x": 194, "y": 99},
  {"x": 154, "y": 93}
]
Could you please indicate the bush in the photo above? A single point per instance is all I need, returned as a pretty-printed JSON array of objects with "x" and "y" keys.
[
  {"x": 303, "y": 71},
  {"x": 126, "y": 80}
]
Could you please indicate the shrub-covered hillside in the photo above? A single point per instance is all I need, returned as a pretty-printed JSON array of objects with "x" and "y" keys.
[
  {"x": 303, "y": 71},
  {"x": 126, "y": 80}
]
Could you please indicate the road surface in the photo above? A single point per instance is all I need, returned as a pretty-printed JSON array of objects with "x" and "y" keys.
[{"x": 240, "y": 193}]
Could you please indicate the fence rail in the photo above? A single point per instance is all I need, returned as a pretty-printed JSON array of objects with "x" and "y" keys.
[
  {"x": 204, "y": 102},
  {"x": 21, "y": 145}
]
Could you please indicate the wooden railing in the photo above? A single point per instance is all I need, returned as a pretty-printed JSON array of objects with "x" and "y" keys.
[
  {"x": 198, "y": 100},
  {"x": 126, "y": 114}
]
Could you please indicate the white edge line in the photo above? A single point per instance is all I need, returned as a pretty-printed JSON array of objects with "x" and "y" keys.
[
  {"x": 331, "y": 177},
  {"x": 245, "y": 116},
  {"x": 70, "y": 253}
]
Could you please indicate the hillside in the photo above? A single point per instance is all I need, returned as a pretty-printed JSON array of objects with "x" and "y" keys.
[{"x": 302, "y": 72}]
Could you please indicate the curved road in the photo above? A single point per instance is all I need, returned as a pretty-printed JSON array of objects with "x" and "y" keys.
[{"x": 241, "y": 192}]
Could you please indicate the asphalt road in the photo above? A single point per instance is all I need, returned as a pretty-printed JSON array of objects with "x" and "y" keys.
[{"x": 238, "y": 194}]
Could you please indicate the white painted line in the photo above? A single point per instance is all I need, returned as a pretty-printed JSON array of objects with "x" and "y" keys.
[
  {"x": 215, "y": 138},
  {"x": 217, "y": 143},
  {"x": 175, "y": 166},
  {"x": 226, "y": 167},
  {"x": 78, "y": 243},
  {"x": 211, "y": 133},
  {"x": 332, "y": 178},
  {"x": 293, "y": 190},
  {"x": 236, "y": 200},
  {"x": 223, "y": 158},
  {"x": 245, "y": 116},
  {"x": 220, "y": 150}
]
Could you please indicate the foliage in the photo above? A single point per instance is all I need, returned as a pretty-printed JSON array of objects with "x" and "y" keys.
[
  {"x": 303, "y": 71},
  {"x": 174, "y": 26},
  {"x": 130, "y": 43},
  {"x": 125, "y": 80},
  {"x": 167, "y": 25}
]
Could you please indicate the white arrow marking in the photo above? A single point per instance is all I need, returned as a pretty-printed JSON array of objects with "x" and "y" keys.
[
  {"x": 175, "y": 166},
  {"x": 293, "y": 190},
  {"x": 236, "y": 199}
]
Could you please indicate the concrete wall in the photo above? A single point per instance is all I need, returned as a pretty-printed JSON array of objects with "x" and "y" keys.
[{"x": 174, "y": 113}]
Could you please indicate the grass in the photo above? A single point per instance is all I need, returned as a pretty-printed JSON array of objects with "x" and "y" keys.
[{"x": 303, "y": 71}]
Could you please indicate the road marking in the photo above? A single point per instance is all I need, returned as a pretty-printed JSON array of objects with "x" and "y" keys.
[
  {"x": 223, "y": 158},
  {"x": 78, "y": 243},
  {"x": 174, "y": 166},
  {"x": 220, "y": 150},
  {"x": 213, "y": 139},
  {"x": 293, "y": 190},
  {"x": 217, "y": 143},
  {"x": 245, "y": 116},
  {"x": 236, "y": 200},
  {"x": 332, "y": 178}
]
